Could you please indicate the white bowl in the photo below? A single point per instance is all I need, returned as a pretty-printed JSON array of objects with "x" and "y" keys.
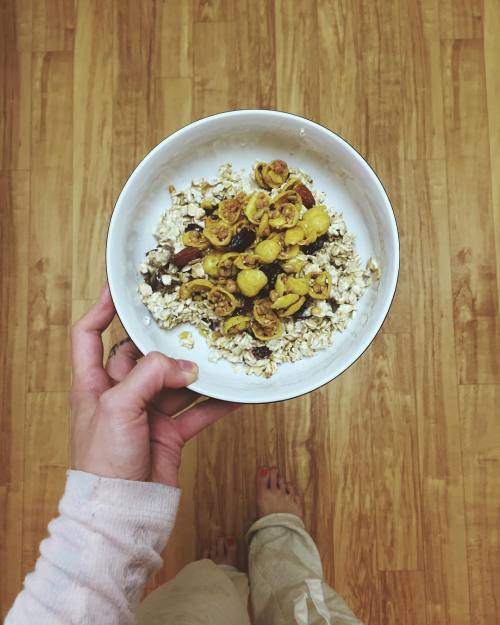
[{"x": 241, "y": 138}]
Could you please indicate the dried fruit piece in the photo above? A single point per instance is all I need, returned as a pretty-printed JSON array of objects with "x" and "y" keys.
[
  {"x": 241, "y": 240},
  {"x": 226, "y": 267},
  {"x": 318, "y": 218},
  {"x": 275, "y": 173},
  {"x": 261, "y": 352},
  {"x": 246, "y": 260},
  {"x": 230, "y": 210},
  {"x": 268, "y": 251},
  {"x": 284, "y": 301},
  {"x": 259, "y": 179},
  {"x": 306, "y": 195},
  {"x": 320, "y": 283},
  {"x": 195, "y": 286},
  {"x": 211, "y": 263},
  {"x": 186, "y": 255},
  {"x": 251, "y": 281},
  {"x": 218, "y": 233},
  {"x": 316, "y": 246},
  {"x": 266, "y": 333},
  {"x": 257, "y": 206},
  {"x": 263, "y": 312},
  {"x": 195, "y": 238},
  {"x": 235, "y": 325},
  {"x": 223, "y": 302}
]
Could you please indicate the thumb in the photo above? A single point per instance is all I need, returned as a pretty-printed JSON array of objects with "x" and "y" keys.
[{"x": 152, "y": 374}]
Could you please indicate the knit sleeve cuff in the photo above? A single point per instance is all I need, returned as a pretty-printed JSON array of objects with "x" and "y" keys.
[{"x": 125, "y": 497}]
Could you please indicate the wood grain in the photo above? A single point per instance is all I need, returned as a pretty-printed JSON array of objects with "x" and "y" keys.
[
  {"x": 49, "y": 292},
  {"x": 46, "y": 461},
  {"x": 14, "y": 190},
  {"x": 441, "y": 484},
  {"x": 397, "y": 458},
  {"x": 92, "y": 134},
  {"x": 474, "y": 276},
  {"x": 395, "y": 453},
  {"x": 481, "y": 457}
]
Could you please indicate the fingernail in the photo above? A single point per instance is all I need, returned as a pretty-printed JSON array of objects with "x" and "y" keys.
[
  {"x": 230, "y": 540},
  {"x": 189, "y": 367},
  {"x": 263, "y": 472}
]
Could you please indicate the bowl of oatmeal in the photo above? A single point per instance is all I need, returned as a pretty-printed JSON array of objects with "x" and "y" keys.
[{"x": 259, "y": 244}]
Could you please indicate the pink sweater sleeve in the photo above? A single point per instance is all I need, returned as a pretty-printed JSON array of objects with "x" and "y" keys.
[{"x": 101, "y": 549}]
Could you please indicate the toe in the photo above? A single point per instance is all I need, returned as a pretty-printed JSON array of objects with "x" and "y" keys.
[
  {"x": 282, "y": 485},
  {"x": 290, "y": 488},
  {"x": 273, "y": 478},
  {"x": 262, "y": 479}
]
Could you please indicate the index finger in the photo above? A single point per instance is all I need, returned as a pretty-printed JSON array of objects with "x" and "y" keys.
[{"x": 86, "y": 341}]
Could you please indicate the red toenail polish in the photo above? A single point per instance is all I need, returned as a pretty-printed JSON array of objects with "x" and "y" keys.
[
  {"x": 230, "y": 540},
  {"x": 263, "y": 472}
]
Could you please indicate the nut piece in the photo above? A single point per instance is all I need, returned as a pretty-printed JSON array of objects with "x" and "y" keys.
[
  {"x": 186, "y": 255},
  {"x": 306, "y": 195}
]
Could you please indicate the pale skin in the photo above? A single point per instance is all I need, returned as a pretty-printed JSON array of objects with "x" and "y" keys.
[{"x": 124, "y": 424}]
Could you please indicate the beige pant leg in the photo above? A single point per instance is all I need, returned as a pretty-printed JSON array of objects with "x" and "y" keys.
[
  {"x": 286, "y": 577},
  {"x": 203, "y": 593}
]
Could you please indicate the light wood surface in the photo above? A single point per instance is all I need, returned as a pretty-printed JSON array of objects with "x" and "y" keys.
[{"x": 398, "y": 458}]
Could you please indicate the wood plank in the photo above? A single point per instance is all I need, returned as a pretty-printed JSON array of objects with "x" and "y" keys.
[
  {"x": 92, "y": 153},
  {"x": 53, "y": 24},
  {"x": 395, "y": 453},
  {"x": 422, "y": 80},
  {"x": 297, "y": 75},
  {"x": 444, "y": 552},
  {"x": 475, "y": 288},
  {"x": 402, "y": 598},
  {"x": 481, "y": 457},
  {"x": 50, "y": 222},
  {"x": 133, "y": 25},
  {"x": 15, "y": 94},
  {"x": 14, "y": 191},
  {"x": 46, "y": 462},
  {"x": 173, "y": 40},
  {"x": 254, "y": 49},
  {"x": 492, "y": 78},
  {"x": 460, "y": 19},
  {"x": 353, "y": 535},
  {"x": 342, "y": 98},
  {"x": 382, "y": 77},
  {"x": 214, "y": 68},
  {"x": 215, "y": 10}
]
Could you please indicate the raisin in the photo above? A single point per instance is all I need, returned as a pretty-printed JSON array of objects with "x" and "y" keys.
[
  {"x": 334, "y": 304},
  {"x": 272, "y": 270},
  {"x": 316, "y": 246},
  {"x": 154, "y": 281},
  {"x": 192, "y": 226},
  {"x": 241, "y": 240},
  {"x": 261, "y": 352}
]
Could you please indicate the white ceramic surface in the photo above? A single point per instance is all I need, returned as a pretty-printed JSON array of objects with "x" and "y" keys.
[{"x": 242, "y": 137}]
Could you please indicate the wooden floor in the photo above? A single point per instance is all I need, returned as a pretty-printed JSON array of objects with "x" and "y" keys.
[{"x": 399, "y": 458}]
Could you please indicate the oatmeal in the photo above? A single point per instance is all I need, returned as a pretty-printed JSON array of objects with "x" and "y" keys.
[{"x": 265, "y": 270}]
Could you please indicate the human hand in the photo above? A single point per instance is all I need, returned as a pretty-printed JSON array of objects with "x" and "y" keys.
[{"x": 122, "y": 423}]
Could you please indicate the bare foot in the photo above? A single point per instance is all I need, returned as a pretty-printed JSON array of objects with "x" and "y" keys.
[
  {"x": 274, "y": 494},
  {"x": 222, "y": 551}
]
